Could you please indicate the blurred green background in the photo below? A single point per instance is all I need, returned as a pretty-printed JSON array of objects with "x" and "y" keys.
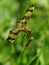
[{"x": 13, "y": 54}]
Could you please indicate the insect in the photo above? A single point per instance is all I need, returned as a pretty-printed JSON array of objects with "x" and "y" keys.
[{"x": 21, "y": 25}]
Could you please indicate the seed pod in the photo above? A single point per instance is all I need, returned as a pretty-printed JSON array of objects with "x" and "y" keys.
[{"x": 29, "y": 41}]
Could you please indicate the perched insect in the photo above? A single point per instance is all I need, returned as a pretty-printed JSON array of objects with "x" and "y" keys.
[
  {"x": 21, "y": 25},
  {"x": 27, "y": 16}
]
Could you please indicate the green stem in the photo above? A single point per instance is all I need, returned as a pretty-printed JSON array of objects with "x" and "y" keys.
[
  {"x": 21, "y": 56},
  {"x": 34, "y": 57},
  {"x": 38, "y": 60}
]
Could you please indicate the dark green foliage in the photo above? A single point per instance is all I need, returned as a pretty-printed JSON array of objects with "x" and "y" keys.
[{"x": 12, "y": 54}]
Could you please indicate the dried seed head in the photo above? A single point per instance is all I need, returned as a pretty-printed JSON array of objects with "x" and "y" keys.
[{"x": 29, "y": 41}]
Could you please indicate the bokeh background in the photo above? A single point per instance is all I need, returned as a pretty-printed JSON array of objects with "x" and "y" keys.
[{"x": 38, "y": 51}]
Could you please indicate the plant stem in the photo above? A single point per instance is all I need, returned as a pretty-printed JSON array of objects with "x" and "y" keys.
[
  {"x": 21, "y": 56},
  {"x": 34, "y": 57}
]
